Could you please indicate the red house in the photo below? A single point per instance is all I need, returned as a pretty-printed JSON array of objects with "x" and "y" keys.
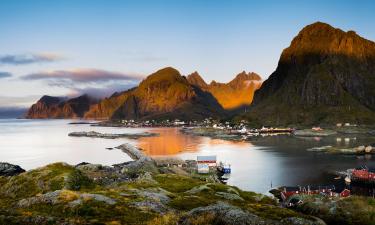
[{"x": 364, "y": 174}]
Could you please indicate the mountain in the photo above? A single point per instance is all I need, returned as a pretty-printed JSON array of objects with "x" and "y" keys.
[
  {"x": 165, "y": 94},
  {"x": 56, "y": 107},
  {"x": 326, "y": 75},
  {"x": 233, "y": 95}
]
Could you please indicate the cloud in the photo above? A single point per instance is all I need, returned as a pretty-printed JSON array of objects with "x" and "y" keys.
[
  {"x": 20, "y": 102},
  {"x": 23, "y": 59},
  {"x": 102, "y": 92},
  {"x": 5, "y": 74},
  {"x": 80, "y": 76}
]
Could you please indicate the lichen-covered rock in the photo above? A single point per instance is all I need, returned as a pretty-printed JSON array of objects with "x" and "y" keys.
[
  {"x": 223, "y": 213},
  {"x": 229, "y": 196}
]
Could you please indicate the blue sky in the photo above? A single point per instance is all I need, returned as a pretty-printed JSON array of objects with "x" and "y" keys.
[{"x": 56, "y": 42}]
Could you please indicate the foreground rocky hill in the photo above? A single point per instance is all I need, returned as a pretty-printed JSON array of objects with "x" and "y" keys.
[
  {"x": 95, "y": 194},
  {"x": 140, "y": 192},
  {"x": 326, "y": 75},
  {"x": 56, "y": 107},
  {"x": 233, "y": 95}
]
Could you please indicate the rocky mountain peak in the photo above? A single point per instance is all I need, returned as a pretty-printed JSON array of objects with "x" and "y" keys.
[{"x": 196, "y": 79}]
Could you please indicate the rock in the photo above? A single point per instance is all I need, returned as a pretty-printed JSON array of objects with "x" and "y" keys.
[
  {"x": 99, "y": 198},
  {"x": 94, "y": 134},
  {"x": 360, "y": 148},
  {"x": 225, "y": 214},
  {"x": 152, "y": 205},
  {"x": 198, "y": 189},
  {"x": 146, "y": 178},
  {"x": 133, "y": 152},
  {"x": 90, "y": 167},
  {"x": 302, "y": 221},
  {"x": 63, "y": 196},
  {"x": 48, "y": 198},
  {"x": 7, "y": 169},
  {"x": 229, "y": 196}
]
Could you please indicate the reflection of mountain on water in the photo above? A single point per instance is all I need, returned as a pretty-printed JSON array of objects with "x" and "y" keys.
[{"x": 171, "y": 141}]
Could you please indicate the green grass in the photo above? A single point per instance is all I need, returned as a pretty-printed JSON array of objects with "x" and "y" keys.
[{"x": 175, "y": 183}]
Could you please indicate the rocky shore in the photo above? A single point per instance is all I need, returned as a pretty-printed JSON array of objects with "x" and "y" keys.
[{"x": 94, "y": 134}]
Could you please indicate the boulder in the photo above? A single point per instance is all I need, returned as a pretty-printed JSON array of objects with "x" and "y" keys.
[{"x": 368, "y": 149}]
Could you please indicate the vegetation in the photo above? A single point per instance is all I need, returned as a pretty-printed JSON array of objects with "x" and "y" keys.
[{"x": 62, "y": 194}]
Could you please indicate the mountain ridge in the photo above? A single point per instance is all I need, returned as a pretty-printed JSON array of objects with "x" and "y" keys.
[{"x": 235, "y": 94}]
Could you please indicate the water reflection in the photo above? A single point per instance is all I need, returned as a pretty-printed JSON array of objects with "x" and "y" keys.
[{"x": 169, "y": 142}]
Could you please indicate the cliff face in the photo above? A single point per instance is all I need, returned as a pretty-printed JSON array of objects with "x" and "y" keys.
[
  {"x": 55, "y": 107},
  {"x": 233, "y": 95},
  {"x": 326, "y": 75}
]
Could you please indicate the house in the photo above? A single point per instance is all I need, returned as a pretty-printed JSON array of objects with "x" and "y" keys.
[
  {"x": 209, "y": 160},
  {"x": 287, "y": 192},
  {"x": 344, "y": 193},
  {"x": 205, "y": 162},
  {"x": 363, "y": 174}
]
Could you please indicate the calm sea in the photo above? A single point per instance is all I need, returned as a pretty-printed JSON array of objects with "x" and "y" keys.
[{"x": 256, "y": 164}]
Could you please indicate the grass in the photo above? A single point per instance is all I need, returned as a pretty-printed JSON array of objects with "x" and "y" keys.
[{"x": 175, "y": 183}]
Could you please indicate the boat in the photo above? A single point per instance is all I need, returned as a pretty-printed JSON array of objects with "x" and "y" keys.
[{"x": 224, "y": 168}]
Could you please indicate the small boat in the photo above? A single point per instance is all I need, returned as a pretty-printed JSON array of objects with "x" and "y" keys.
[{"x": 224, "y": 168}]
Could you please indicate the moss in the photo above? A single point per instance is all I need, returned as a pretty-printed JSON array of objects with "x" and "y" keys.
[
  {"x": 271, "y": 211},
  {"x": 176, "y": 183},
  {"x": 189, "y": 202},
  {"x": 77, "y": 180}
]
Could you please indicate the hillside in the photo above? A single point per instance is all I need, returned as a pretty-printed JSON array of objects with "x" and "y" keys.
[
  {"x": 232, "y": 95},
  {"x": 325, "y": 76}
]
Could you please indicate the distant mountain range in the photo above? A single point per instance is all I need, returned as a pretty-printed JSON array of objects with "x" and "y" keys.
[
  {"x": 12, "y": 112},
  {"x": 165, "y": 94},
  {"x": 236, "y": 94},
  {"x": 325, "y": 76}
]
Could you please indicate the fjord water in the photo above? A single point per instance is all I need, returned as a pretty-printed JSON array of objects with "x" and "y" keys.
[{"x": 256, "y": 164}]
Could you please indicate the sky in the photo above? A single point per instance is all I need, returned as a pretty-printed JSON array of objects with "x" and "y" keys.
[{"x": 65, "y": 48}]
